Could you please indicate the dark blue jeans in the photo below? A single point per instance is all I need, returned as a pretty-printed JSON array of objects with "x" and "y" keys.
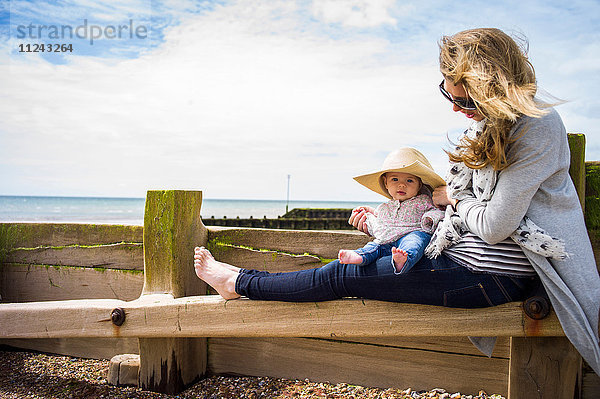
[
  {"x": 413, "y": 243},
  {"x": 439, "y": 281}
]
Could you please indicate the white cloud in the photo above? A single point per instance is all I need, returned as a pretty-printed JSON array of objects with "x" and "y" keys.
[
  {"x": 235, "y": 99},
  {"x": 355, "y": 13},
  {"x": 217, "y": 101}
]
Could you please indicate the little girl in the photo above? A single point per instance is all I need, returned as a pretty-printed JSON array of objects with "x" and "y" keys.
[{"x": 402, "y": 227}]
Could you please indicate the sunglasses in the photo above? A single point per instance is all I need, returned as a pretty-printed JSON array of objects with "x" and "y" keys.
[{"x": 464, "y": 103}]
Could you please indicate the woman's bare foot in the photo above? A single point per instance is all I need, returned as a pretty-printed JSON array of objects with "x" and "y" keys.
[
  {"x": 227, "y": 265},
  {"x": 218, "y": 275},
  {"x": 399, "y": 256},
  {"x": 349, "y": 257}
]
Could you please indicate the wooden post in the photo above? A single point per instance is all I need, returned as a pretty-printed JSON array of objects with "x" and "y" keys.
[
  {"x": 542, "y": 367},
  {"x": 172, "y": 228},
  {"x": 592, "y": 206},
  {"x": 548, "y": 367},
  {"x": 577, "y": 166}
]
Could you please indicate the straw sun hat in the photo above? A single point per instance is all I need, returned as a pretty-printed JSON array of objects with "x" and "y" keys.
[{"x": 405, "y": 160}]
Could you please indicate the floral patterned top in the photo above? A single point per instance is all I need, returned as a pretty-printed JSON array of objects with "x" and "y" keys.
[{"x": 395, "y": 218}]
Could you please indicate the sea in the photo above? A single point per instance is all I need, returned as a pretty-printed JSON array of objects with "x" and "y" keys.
[{"x": 130, "y": 211}]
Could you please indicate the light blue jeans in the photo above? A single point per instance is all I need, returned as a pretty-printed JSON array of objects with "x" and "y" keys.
[{"x": 413, "y": 244}]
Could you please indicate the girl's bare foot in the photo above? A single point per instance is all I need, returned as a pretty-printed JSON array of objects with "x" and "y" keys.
[
  {"x": 399, "y": 256},
  {"x": 349, "y": 257},
  {"x": 218, "y": 275}
]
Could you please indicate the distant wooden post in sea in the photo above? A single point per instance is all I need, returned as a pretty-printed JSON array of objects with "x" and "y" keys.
[{"x": 287, "y": 201}]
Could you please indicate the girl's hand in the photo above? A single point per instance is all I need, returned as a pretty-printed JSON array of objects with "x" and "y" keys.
[
  {"x": 358, "y": 218},
  {"x": 365, "y": 208},
  {"x": 441, "y": 199}
]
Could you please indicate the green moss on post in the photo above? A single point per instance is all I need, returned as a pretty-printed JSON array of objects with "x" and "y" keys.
[
  {"x": 592, "y": 195},
  {"x": 7, "y": 240},
  {"x": 172, "y": 228}
]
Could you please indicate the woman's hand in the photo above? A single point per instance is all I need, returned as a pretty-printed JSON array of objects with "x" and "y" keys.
[
  {"x": 441, "y": 199},
  {"x": 358, "y": 218}
]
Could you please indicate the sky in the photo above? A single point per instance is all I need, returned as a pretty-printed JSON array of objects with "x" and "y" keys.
[{"x": 231, "y": 97}]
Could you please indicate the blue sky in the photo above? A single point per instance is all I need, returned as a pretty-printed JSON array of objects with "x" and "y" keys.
[{"x": 230, "y": 97}]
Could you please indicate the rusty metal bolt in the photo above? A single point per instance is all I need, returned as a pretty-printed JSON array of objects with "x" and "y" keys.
[
  {"x": 117, "y": 316},
  {"x": 537, "y": 307}
]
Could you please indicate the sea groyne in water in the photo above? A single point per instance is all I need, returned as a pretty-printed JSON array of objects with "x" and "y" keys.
[{"x": 296, "y": 219}]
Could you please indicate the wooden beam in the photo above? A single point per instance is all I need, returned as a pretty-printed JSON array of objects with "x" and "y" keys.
[
  {"x": 172, "y": 228},
  {"x": 124, "y": 256},
  {"x": 325, "y": 244},
  {"x": 31, "y": 235},
  {"x": 89, "y": 348},
  {"x": 161, "y": 315},
  {"x": 26, "y": 283},
  {"x": 358, "y": 364},
  {"x": 577, "y": 165}
]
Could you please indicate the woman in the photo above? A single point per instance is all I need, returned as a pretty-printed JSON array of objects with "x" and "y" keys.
[{"x": 509, "y": 195}]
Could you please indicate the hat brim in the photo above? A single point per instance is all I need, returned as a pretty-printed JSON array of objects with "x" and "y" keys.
[{"x": 374, "y": 181}]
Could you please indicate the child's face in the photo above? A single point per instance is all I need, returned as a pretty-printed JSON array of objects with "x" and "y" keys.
[{"x": 402, "y": 186}]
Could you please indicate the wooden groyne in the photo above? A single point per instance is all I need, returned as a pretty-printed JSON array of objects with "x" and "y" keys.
[
  {"x": 147, "y": 272},
  {"x": 296, "y": 219}
]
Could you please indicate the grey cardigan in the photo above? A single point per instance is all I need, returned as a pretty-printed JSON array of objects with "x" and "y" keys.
[{"x": 537, "y": 184}]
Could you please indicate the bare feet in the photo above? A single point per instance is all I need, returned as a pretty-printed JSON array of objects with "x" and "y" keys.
[
  {"x": 218, "y": 275},
  {"x": 349, "y": 257},
  {"x": 399, "y": 256}
]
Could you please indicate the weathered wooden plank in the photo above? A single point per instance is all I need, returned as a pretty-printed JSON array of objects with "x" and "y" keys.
[
  {"x": 112, "y": 256},
  {"x": 31, "y": 235},
  {"x": 271, "y": 261},
  {"x": 542, "y": 367},
  {"x": 324, "y": 360},
  {"x": 325, "y": 244},
  {"x": 172, "y": 228},
  {"x": 456, "y": 345},
  {"x": 161, "y": 315},
  {"x": 91, "y": 348},
  {"x": 27, "y": 283}
]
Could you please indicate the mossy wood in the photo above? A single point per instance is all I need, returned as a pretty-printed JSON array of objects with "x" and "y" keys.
[
  {"x": 58, "y": 261},
  {"x": 592, "y": 205},
  {"x": 123, "y": 256},
  {"x": 32, "y": 235},
  {"x": 317, "y": 243},
  {"x": 172, "y": 228},
  {"x": 272, "y": 261},
  {"x": 23, "y": 283}
]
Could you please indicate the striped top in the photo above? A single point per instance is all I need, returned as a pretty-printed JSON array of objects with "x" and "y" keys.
[{"x": 505, "y": 257}]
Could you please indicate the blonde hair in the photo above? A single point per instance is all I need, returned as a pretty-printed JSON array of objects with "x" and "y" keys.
[{"x": 497, "y": 75}]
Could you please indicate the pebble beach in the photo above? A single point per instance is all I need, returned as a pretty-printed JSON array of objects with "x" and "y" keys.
[{"x": 42, "y": 376}]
